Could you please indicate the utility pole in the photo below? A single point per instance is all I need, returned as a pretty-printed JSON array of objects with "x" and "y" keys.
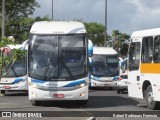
[
  {"x": 52, "y": 9},
  {"x": 3, "y": 18},
  {"x": 105, "y": 32}
]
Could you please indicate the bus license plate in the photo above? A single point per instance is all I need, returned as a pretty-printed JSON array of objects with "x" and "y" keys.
[
  {"x": 106, "y": 84},
  {"x": 59, "y": 95},
  {"x": 6, "y": 87}
]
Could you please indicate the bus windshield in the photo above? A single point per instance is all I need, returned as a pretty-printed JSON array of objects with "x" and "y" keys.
[
  {"x": 54, "y": 58},
  {"x": 15, "y": 68},
  {"x": 105, "y": 65}
]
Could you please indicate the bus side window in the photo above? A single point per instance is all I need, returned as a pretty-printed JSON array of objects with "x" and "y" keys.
[
  {"x": 147, "y": 50},
  {"x": 157, "y": 49}
]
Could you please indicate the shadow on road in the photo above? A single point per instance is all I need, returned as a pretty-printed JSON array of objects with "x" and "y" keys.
[
  {"x": 109, "y": 101},
  {"x": 93, "y": 102},
  {"x": 16, "y": 94},
  {"x": 96, "y": 100},
  {"x": 102, "y": 88},
  {"x": 61, "y": 104}
]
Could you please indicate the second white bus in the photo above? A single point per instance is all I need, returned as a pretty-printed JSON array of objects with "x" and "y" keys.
[
  {"x": 14, "y": 75},
  {"x": 104, "y": 67}
]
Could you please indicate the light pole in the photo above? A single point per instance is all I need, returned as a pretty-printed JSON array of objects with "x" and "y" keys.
[
  {"x": 105, "y": 31},
  {"x": 52, "y": 9},
  {"x": 3, "y": 18}
]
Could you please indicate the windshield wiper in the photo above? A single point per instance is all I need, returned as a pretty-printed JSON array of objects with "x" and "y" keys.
[{"x": 12, "y": 70}]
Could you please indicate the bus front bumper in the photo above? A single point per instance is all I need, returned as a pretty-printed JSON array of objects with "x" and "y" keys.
[
  {"x": 96, "y": 83},
  {"x": 18, "y": 86},
  {"x": 78, "y": 94}
]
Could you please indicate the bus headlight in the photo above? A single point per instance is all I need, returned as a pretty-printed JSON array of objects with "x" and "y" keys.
[
  {"x": 33, "y": 85},
  {"x": 34, "y": 94},
  {"x": 83, "y": 85},
  {"x": 82, "y": 94}
]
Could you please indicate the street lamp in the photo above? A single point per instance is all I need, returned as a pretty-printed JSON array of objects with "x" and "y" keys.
[
  {"x": 3, "y": 18},
  {"x": 105, "y": 37},
  {"x": 52, "y": 9}
]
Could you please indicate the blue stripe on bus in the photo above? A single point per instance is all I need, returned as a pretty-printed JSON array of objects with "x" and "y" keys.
[
  {"x": 71, "y": 84},
  {"x": 17, "y": 80},
  {"x": 38, "y": 81},
  {"x": 74, "y": 83}
]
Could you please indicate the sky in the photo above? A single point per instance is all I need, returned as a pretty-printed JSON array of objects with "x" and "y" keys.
[{"x": 123, "y": 15}]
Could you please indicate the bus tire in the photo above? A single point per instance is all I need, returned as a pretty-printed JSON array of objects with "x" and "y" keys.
[
  {"x": 151, "y": 104},
  {"x": 110, "y": 88},
  {"x": 35, "y": 103},
  {"x": 118, "y": 91},
  {"x": 3, "y": 92},
  {"x": 82, "y": 102}
]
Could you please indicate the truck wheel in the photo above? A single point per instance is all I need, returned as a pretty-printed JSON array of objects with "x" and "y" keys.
[{"x": 150, "y": 99}]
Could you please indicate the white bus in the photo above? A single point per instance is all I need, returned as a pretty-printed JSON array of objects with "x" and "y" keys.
[
  {"x": 144, "y": 67},
  {"x": 58, "y": 62},
  {"x": 14, "y": 75},
  {"x": 104, "y": 67}
]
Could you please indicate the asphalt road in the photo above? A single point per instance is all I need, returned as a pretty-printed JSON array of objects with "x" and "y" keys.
[{"x": 103, "y": 104}]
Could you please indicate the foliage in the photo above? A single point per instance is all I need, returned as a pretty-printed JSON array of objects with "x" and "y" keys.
[
  {"x": 96, "y": 33},
  {"x": 15, "y": 14},
  {"x": 121, "y": 41},
  {"x": 5, "y": 41},
  {"x": 124, "y": 49},
  {"x": 19, "y": 8},
  {"x": 6, "y": 60},
  {"x": 20, "y": 29}
]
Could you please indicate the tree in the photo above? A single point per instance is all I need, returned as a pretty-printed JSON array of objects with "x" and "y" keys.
[
  {"x": 124, "y": 49},
  {"x": 19, "y": 8},
  {"x": 21, "y": 28},
  {"x": 96, "y": 33},
  {"x": 15, "y": 13},
  {"x": 121, "y": 41}
]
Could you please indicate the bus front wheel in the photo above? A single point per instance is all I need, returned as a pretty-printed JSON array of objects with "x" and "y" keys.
[
  {"x": 3, "y": 92},
  {"x": 150, "y": 99},
  {"x": 35, "y": 103},
  {"x": 118, "y": 91},
  {"x": 82, "y": 102}
]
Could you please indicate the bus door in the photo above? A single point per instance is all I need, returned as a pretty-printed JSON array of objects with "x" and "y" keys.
[{"x": 134, "y": 85}]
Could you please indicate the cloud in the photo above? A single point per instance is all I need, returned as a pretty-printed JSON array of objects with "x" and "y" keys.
[
  {"x": 89, "y": 10},
  {"x": 146, "y": 16},
  {"x": 123, "y": 15}
]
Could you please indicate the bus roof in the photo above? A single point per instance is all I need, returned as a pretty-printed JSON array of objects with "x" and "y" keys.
[
  {"x": 57, "y": 27},
  {"x": 104, "y": 50},
  {"x": 17, "y": 46},
  {"x": 145, "y": 33}
]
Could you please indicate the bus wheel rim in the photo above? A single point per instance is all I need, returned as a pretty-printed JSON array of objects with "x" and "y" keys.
[{"x": 150, "y": 97}]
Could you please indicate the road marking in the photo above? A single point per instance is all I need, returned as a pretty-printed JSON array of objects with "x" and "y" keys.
[{"x": 91, "y": 118}]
